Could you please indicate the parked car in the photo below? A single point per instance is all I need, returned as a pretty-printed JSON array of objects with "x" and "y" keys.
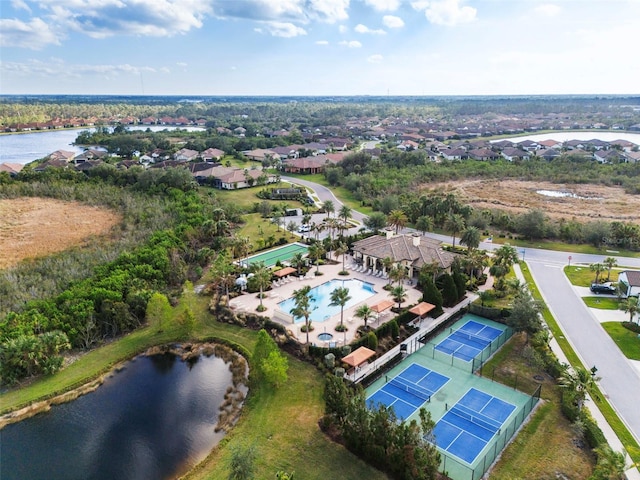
[
  {"x": 304, "y": 228},
  {"x": 603, "y": 288}
]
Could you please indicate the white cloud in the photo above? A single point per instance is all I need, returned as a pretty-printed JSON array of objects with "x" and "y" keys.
[
  {"x": 447, "y": 12},
  {"x": 322, "y": 42},
  {"x": 281, "y": 29},
  {"x": 360, "y": 28},
  {"x": 548, "y": 9},
  {"x": 377, "y": 58},
  {"x": 181, "y": 64},
  {"x": 20, "y": 5},
  {"x": 343, "y": 29},
  {"x": 383, "y": 5},
  {"x": 35, "y": 35},
  {"x": 330, "y": 11},
  {"x": 57, "y": 68},
  {"x": 420, "y": 5},
  {"x": 351, "y": 44},
  {"x": 391, "y": 21},
  {"x": 105, "y": 18},
  {"x": 298, "y": 11}
]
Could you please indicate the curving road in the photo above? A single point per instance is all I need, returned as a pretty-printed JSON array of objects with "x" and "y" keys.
[{"x": 620, "y": 381}]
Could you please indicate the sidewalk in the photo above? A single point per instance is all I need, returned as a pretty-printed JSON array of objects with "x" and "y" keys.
[{"x": 614, "y": 442}]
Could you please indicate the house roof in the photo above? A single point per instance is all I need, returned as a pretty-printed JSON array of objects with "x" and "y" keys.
[
  {"x": 358, "y": 357},
  {"x": 633, "y": 277},
  {"x": 283, "y": 272},
  {"x": 402, "y": 248}
]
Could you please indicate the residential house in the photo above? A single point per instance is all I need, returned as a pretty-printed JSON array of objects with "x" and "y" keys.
[
  {"x": 607, "y": 156},
  {"x": 483, "y": 154},
  {"x": 261, "y": 154},
  {"x": 513, "y": 154},
  {"x": 212, "y": 154},
  {"x": 550, "y": 154},
  {"x": 629, "y": 283},
  {"x": 412, "y": 252},
  {"x": 11, "y": 168},
  {"x": 550, "y": 144},
  {"x": 455, "y": 154},
  {"x": 529, "y": 145},
  {"x": 62, "y": 155},
  {"x": 186, "y": 155},
  {"x": 308, "y": 165},
  {"x": 631, "y": 157}
]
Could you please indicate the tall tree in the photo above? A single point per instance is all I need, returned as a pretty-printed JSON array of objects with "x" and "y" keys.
[
  {"x": 341, "y": 249},
  {"x": 454, "y": 223},
  {"x": 470, "y": 237},
  {"x": 597, "y": 268},
  {"x": 316, "y": 251},
  {"x": 262, "y": 275},
  {"x": 329, "y": 207},
  {"x": 365, "y": 312},
  {"x": 578, "y": 381},
  {"x": 345, "y": 214},
  {"x": 424, "y": 224},
  {"x": 302, "y": 307},
  {"x": 631, "y": 307},
  {"x": 398, "y": 219},
  {"x": 525, "y": 314},
  {"x": 297, "y": 261},
  {"x": 339, "y": 298},
  {"x": 376, "y": 221},
  {"x": 610, "y": 262},
  {"x": 399, "y": 294}
]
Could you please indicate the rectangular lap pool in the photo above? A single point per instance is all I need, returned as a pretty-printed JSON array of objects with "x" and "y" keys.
[{"x": 321, "y": 298}]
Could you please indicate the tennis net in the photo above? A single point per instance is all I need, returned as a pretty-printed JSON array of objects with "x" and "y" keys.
[
  {"x": 411, "y": 388},
  {"x": 481, "y": 341},
  {"x": 476, "y": 417}
]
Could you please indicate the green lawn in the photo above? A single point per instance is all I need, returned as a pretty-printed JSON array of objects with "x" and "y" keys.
[
  {"x": 246, "y": 198},
  {"x": 628, "y": 342},
  {"x": 259, "y": 230},
  {"x": 544, "y": 447},
  {"x": 603, "y": 303},
  {"x": 580, "y": 275}
]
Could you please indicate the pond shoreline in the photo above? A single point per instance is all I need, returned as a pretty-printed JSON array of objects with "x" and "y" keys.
[{"x": 185, "y": 352}]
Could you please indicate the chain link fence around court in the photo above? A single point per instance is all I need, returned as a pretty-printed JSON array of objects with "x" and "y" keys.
[
  {"x": 428, "y": 348},
  {"x": 456, "y": 468}
]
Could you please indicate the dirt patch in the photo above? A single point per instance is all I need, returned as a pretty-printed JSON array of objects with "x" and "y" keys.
[
  {"x": 36, "y": 227},
  {"x": 586, "y": 203}
]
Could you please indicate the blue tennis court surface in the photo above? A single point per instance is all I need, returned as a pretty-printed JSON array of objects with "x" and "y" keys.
[
  {"x": 469, "y": 340},
  {"x": 471, "y": 423},
  {"x": 408, "y": 390}
]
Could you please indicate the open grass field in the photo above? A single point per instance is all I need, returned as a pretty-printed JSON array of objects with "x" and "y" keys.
[
  {"x": 628, "y": 342},
  {"x": 581, "y": 275},
  {"x": 33, "y": 227},
  {"x": 245, "y": 198}
]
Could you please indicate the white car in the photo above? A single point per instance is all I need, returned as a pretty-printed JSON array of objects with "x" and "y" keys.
[{"x": 304, "y": 229}]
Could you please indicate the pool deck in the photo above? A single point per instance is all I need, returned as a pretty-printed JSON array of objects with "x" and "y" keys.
[{"x": 250, "y": 301}]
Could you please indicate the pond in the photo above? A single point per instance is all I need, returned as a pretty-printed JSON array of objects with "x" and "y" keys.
[{"x": 153, "y": 419}]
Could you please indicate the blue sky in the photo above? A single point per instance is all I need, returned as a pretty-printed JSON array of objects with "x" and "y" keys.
[{"x": 319, "y": 47}]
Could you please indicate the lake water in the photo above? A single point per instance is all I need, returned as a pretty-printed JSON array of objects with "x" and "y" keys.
[
  {"x": 154, "y": 419},
  {"x": 26, "y": 147}
]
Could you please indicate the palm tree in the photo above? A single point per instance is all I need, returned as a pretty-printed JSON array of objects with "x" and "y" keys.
[
  {"x": 398, "y": 219},
  {"x": 455, "y": 223},
  {"x": 364, "y": 312},
  {"x": 424, "y": 224},
  {"x": 397, "y": 274},
  {"x": 262, "y": 274},
  {"x": 297, "y": 261},
  {"x": 302, "y": 308},
  {"x": 387, "y": 264},
  {"x": 596, "y": 267},
  {"x": 610, "y": 262},
  {"x": 329, "y": 207},
  {"x": 484, "y": 296},
  {"x": 611, "y": 464},
  {"x": 339, "y": 297},
  {"x": 579, "y": 381},
  {"x": 341, "y": 249},
  {"x": 241, "y": 247},
  {"x": 399, "y": 294},
  {"x": 345, "y": 214},
  {"x": 470, "y": 237},
  {"x": 631, "y": 307},
  {"x": 316, "y": 251}
]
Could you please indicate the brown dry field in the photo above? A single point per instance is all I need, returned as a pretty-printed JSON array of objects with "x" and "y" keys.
[
  {"x": 36, "y": 227},
  {"x": 604, "y": 203}
]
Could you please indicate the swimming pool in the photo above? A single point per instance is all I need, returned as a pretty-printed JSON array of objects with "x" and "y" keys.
[{"x": 321, "y": 298}]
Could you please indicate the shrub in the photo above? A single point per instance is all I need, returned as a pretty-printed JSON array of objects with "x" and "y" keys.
[
  {"x": 634, "y": 327},
  {"x": 372, "y": 341},
  {"x": 592, "y": 433}
]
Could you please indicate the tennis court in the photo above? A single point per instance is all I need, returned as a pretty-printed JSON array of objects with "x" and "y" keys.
[
  {"x": 280, "y": 254},
  {"x": 409, "y": 390},
  {"x": 471, "y": 423},
  {"x": 469, "y": 341}
]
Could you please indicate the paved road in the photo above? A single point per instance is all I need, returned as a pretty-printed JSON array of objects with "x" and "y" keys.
[{"x": 620, "y": 381}]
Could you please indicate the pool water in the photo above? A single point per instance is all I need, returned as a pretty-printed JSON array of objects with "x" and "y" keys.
[{"x": 321, "y": 298}]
